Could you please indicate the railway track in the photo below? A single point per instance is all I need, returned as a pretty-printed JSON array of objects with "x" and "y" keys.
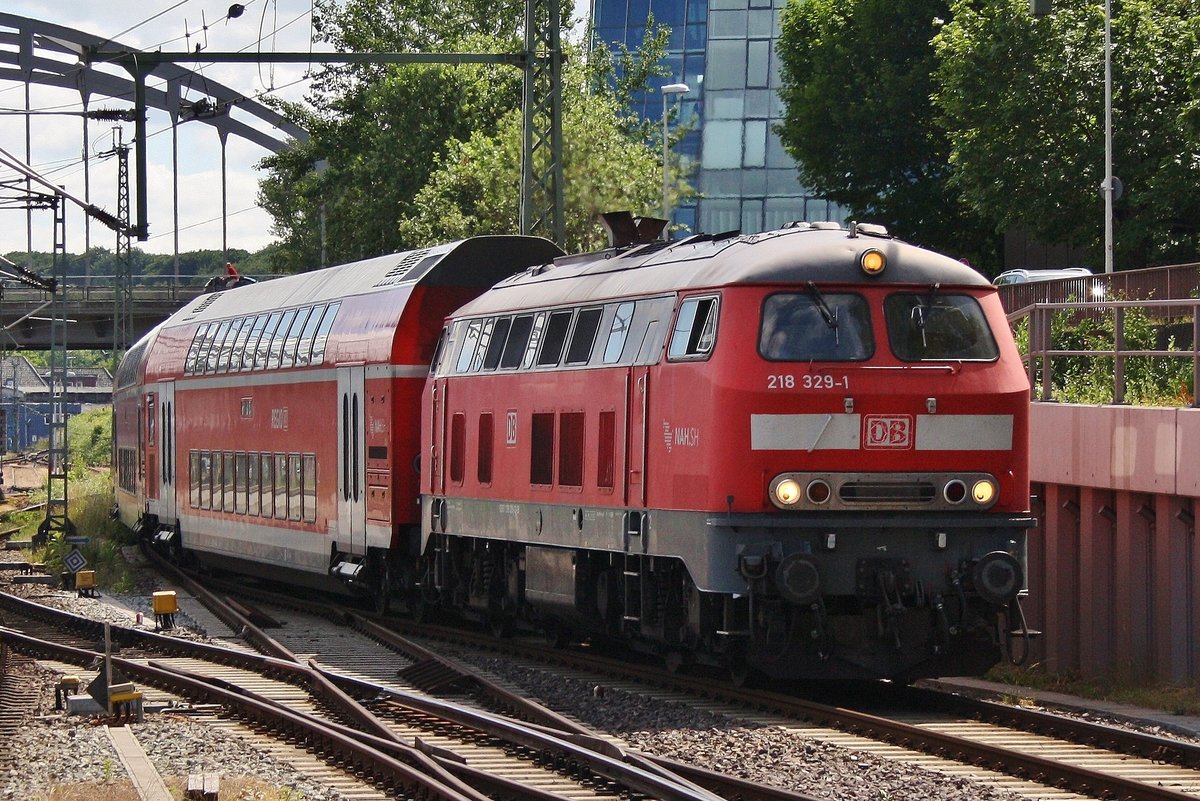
[
  {"x": 1029, "y": 752},
  {"x": 456, "y": 752}
]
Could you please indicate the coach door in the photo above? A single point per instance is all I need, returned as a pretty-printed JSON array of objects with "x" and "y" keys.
[
  {"x": 352, "y": 507},
  {"x": 166, "y": 453}
]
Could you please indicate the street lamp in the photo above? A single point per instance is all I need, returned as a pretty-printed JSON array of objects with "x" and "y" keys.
[{"x": 667, "y": 91}]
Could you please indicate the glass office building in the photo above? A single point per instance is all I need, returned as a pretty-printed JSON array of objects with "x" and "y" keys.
[{"x": 724, "y": 50}]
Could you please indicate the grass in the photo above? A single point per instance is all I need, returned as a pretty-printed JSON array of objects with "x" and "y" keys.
[{"x": 1173, "y": 698}]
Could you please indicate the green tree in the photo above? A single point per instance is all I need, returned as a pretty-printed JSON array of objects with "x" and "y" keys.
[
  {"x": 857, "y": 76},
  {"x": 1021, "y": 100}
]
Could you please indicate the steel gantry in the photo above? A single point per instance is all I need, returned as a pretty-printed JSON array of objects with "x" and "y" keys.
[{"x": 542, "y": 208}]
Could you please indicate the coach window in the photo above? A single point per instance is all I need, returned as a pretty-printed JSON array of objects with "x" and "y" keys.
[
  {"x": 281, "y": 488},
  {"x": 584, "y": 336},
  {"x": 210, "y": 331},
  {"x": 570, "y": 449},
  {"x": 322, "y": 337},
  {"x": 214, "y": 350},
  {"x": 293, "y": 338},
  {"x": 239, "y": 345},
  {"x": 470, "y": 343},
  {"x": 235, "y": 328},
  {"x": 240, "y": 482},
  {"x": 227, "y": 482},
  {"x": 618, "y": 333},
  {"x": 295, "y": 475},
  {"x": 695, "y": 329},
  {"x": 304, "y": 350},
  {"x": 253, "y": 489},
  {"x": 487, "y": 434},
  {"x": 251, "y": 347},
  {"x": 189, "y": 363},
  {"x": 816, "y": 326},
  {"x": 277, "y": 341},
  {"x": 194, "y": 479},
  {"x": 541, "y": 449},
  {"x": 308, "y": 480},
  {"x": 935, "y": 327},
  {"x": 205, "y": 494},
  {"x": 263, "y": 348},
  {"x": 267, "y": 467},
  {"x": 556, "y": 337},
  {"x": 496, "y": 345},
  {"x": 518, "y": 338}
]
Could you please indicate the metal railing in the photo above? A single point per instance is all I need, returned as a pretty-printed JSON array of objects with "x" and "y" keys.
[
  {"x": 1041, "y": 350},
  {"x": 102, "y": 288}
]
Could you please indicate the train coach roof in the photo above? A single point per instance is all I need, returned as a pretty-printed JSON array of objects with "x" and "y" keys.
[
  {"x": 477, "y": 262},
  {"x": 787, "y": 256}
]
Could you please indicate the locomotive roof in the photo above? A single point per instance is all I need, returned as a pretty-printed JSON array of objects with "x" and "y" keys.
[
  {"x": 479, "y": 262},
  {"x": 801, "y": 253}
]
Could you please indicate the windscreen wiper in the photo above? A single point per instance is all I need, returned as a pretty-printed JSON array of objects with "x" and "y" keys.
[{"x": 829, "y": 314}]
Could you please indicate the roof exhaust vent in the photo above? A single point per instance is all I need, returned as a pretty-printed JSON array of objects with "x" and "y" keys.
[{"x": 624, "y": 229}]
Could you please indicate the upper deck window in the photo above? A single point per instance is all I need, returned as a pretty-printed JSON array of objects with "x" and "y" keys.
[
  {"x": 929, "y": 326},
  {"x": 816, "y": 326}
]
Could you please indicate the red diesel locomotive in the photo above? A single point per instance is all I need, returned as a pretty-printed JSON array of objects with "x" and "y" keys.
[{"x": 802, "y": 452}]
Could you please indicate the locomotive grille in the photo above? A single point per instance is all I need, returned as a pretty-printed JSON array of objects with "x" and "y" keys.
[{"x": 887, "y": 492}]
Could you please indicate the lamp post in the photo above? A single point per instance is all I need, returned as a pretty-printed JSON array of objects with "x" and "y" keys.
[
  {"x": 667, "y": 91},
  {"x": 1109, "y": 187}
]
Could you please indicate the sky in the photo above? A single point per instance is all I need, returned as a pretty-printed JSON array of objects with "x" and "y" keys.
[{"x": 56, "y": 140}]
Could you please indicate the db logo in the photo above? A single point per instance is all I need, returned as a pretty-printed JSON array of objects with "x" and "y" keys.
[{"x": 888, "y": 431}]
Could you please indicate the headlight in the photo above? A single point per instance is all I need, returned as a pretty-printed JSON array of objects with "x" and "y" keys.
[
  {"x": 787, "y": 492},
  {"x": 983, "y": 492},
  {"x": 872, "y": 261}
]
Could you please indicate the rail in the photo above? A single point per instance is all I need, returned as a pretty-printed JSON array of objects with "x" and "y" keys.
[
  {"x": 1041, "y": 348},
  {"x": 102, "y": 288}
]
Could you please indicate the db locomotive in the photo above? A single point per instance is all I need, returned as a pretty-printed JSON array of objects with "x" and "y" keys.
[{"x": 801, "y": 453}]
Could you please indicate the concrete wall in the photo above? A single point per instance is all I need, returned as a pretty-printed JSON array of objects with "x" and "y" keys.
[{"x": 1114, "y": 571}]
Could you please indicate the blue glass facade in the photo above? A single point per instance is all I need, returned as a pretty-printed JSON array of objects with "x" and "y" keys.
[{"x": 724, "y": 50}]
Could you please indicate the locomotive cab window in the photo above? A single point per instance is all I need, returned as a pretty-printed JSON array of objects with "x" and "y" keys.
[
  {"x": 930, "y": 326},
  {"x": 695, "y": 329},
  {"x": 816, "y": 326}
]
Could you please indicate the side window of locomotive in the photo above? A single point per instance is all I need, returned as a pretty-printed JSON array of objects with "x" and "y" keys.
[
  {"x": 470, "y": 343},
  {"x": 485, "y": 338},
  {"x": 618, "y": 333},
  {"x": 518, "y": 339},
  {"x": 584, "y": 335},
  {"x": 322, "y": 337},
  {"x": 695, "y": 330},
  {"x": 556, "y": 337},
  {"x": 278, "y": 340},
  {"x": 262, "y": 350},
  {"x": 439, "y": 350},
  {"x": 535, "y": 339},
  {"x": 495, "y": 346},
  {"x": 816, "y": 326},
  {"x": 487, "y": 438},
  {"x": 933, "y": 327}
]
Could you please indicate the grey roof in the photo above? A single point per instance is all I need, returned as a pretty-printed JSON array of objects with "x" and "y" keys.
[{"x": 26, "y": 375}]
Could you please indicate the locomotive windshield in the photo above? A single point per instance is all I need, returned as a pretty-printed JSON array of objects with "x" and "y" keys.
[
  {"x": 930, "y": 326},
  {"x": 815, "y": 326}
]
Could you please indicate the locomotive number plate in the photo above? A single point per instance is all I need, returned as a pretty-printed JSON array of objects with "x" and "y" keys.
[{"x": 887, "y": 431}]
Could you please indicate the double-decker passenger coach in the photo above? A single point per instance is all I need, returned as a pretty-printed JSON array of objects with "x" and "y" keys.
[
  {"x": 801, "y": 452},
  {"x": 274, "y": 426}
]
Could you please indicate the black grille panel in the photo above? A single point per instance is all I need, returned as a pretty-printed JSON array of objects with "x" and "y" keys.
[{"x": 887, "y": 492}]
